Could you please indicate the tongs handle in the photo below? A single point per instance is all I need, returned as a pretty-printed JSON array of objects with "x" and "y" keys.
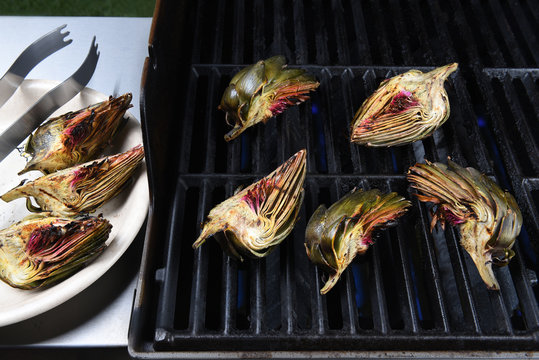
[
  {"x": 29, "y": 58},
  {"x": 48, "y": 103}
]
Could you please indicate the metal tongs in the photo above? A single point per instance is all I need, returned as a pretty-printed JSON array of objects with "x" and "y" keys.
[
  {"x": 52, "y": 100},
  {"x": 29, "y": 58}
]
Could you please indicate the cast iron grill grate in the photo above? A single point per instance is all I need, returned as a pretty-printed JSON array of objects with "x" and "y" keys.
[{"x": 413, "y": 290}]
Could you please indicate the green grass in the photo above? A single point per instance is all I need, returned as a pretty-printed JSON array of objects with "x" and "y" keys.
[{"x": 137, "y": 8}]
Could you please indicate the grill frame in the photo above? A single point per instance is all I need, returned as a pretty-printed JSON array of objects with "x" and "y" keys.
[{"x": 153, "y": 333}]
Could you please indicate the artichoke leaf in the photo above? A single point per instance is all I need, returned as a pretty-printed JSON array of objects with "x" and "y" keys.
[
  {"x": 488, "y": 219},
  {"x": 259, "y": 217},
  {"x": 79, "y": 189},
  {"x": 263, "y": 90},
  {"x": 404, "y": 109},
  {"x": 335, "y": 236}
]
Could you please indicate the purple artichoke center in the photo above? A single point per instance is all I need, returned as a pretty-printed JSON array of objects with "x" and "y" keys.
[{"x": 402, "y": 101}]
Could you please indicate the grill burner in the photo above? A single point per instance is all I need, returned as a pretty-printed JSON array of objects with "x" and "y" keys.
[{"x": 413, "y": 290}]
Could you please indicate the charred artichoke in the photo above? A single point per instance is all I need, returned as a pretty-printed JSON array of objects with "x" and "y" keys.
[
  {"x": 75, "y": 137},
  {"x": 79, "y": 189},
  {"x": 263, "y": 90},
  {"x": 403, "y": 109},
  {"x": 258, "y": 218},
  {"x": 42, "y": 250},
  {"x": 488, "y": 218},
  {"x": 336, "y": 235}
]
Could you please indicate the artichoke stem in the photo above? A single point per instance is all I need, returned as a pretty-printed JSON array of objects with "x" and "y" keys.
[
  {"x": 12, "y": 194},
  {"x": 331, "y": 282},
  {"x": 209, "y": 229},
  {"x": 484, "y": 267}
]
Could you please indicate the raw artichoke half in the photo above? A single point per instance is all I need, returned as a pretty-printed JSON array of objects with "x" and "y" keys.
[
  {"x": 258, "y": 218},
  {"x": 75, "y": 137},
  {"x": 263, "y": 90},
  {"x": 336, "y": 235},
  {"x": 488, "y": 218},
  {"x": 404, "y": 109},
  {"x": 42, "y": 250},
  {"x": 79, "y": 189}
]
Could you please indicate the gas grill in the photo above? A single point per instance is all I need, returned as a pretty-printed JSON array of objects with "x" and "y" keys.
[{"x": 413, "y": 290}]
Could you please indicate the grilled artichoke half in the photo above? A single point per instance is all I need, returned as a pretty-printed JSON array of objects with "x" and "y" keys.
[
  {"x": 488, "y": 218},
  {"x": 75, "y": 137},
  {"x": 404, "y": 109},
  {"x": 336, "y": 235},
  {"x": 258, "y": 218},
  {"x": 79, "y": 189},
  {"x": 263, "y": 90},
  {"x": 42, "y": 250}
]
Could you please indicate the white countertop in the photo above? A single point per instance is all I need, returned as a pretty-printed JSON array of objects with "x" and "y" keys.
[{"x": 98, "y": 316}]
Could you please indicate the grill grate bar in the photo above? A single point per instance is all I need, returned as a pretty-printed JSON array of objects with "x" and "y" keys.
[
  {"x": 531, "y": 9},
  {"x": 423, "y": 50},
  {"x": 521, "y": 124},
  {"x": 503, "y": 319},
  {"x": 511, "y": 164},
  {"x": 377, "y": 29},
  {"x": 259, "y": 39},
  {"x": 238, "y": 33},
  {"x": 442, "y": 31},
  {"x": 300, "y": 37},
  {"x": 508, "y": 36},
  {"x": 398, "y": 31},
  {"x": 410, "y": 313},
  {"x": 321, "y": 35},
  {"x": 187, "y": 128},
  {"x": 442, "y": 316},
  {"x": 463, "y": 280},
  {"x": 349, "y": 307},
  {"x": 237, "y": 57},
  {"x": 209, "y": 132},
  {"x": 320, "y": 314},
  {"x": 410, "y": 310},
  {"x": 362, "y": 40},
  {"x": 346, "y": 78},
  {"x": 229, "y": 291},
  {"x": 257, "y": 298},
  {"x": 200, "y": 269},
  {"x": 288, "y": 317},
  {"x": 493, "y": 53},
  {"x": 279, "y": 44},
  {"x": 169, "y": 273},
  {"x": 466, "y": 129},
  {"x": 531, "y": 210},
  {"x": 378, "y": 299},
  {"x": 526, "y": 34},
  {"x": 461, "y": 33},
  {"x": 524, "y": 290},
  {"x": 343, "y": 52},
  {"x": 198, "y": 14},
  {"x": 230, "y": 279}
]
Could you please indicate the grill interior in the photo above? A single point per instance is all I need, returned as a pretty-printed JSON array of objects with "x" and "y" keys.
[{"x": 413, "y": 290}]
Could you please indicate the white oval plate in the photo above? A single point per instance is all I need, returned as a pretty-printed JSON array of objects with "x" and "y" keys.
[{"x": 126, "y": 212}]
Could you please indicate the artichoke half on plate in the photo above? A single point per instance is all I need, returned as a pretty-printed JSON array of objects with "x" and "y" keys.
[
  {"x": 75, "y": 137},
  {"x": 263, "y": 90},
  {"x": 42, "y": 250},
  {"x": 404, "y": 109},
  {"x": 336, "y": 235},
  {"x": 79, "y": 189},
  {"x": 258, "y": 218},
  {"x": 488, "y": 218}
]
